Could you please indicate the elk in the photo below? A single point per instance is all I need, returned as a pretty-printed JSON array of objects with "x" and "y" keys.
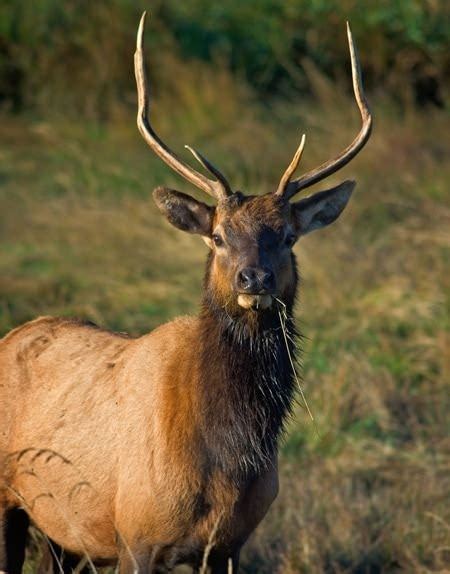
[{"x": 137, "y": 451}]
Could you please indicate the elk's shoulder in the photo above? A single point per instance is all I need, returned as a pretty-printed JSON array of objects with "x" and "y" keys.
[
  {"x": 177, "y": 338},
  {"x": 185, "y": 325}
]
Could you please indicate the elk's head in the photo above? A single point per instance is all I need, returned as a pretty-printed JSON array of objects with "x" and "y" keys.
[{"x": 251, "y": 237}]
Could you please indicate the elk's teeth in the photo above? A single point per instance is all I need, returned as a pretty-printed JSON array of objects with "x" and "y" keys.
[{"x": 255, "y": 302}]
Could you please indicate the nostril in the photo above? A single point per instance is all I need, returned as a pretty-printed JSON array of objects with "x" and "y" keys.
[
  {"x": 246, "y": 279},
  {"x": 242, "y": 279},
  {"x": 268, "y": 280}
]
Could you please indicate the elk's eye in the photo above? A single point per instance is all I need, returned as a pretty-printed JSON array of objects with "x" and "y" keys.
[
  {"x": 218, "y": 241},
  {"x": 290, "y": 239}
]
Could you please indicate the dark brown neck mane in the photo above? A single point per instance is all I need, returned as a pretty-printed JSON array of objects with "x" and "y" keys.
[{"x": 247, "y": 382}]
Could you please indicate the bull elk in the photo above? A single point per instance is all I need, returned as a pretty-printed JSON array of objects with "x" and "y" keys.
[{"x": 139, "y": 450}]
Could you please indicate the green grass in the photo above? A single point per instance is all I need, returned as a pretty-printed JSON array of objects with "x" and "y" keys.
[{"x": 368, "y": 488}]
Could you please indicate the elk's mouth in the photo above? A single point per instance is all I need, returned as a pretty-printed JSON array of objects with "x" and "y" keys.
[{"x": 254, "y": 302}]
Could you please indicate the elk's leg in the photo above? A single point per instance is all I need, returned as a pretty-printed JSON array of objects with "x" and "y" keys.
[
  {"x": 224, "y": 564},
  {"x": 14, "y": 529},
  {"x": 3, "y": 563}
]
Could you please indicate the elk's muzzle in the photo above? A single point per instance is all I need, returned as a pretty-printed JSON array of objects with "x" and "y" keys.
[{"x": 255, "y": 286}]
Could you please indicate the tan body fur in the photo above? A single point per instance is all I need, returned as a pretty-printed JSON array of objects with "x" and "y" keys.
[{"x": 117, "y": 415}]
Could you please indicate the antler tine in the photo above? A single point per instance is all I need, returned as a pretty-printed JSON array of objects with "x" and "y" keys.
[
  {"x": 217, "y": 188},
  {"x": 333, "y": 165},
  {"x": 210, "y": 167},
  {"x": 286, "y": 178}
]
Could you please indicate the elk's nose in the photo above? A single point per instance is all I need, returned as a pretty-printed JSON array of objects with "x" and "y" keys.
[
  {"x": 255, "y": 280},
  {"x": 247, "y": 280}
]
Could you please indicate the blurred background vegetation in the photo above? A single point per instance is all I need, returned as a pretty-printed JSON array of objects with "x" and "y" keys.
[
  {"x": 368, "y": 490},
  {"x": 45, "y": 45}
]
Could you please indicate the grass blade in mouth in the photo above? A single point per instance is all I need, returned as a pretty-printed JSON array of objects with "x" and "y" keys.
[{"x": 283, "y": 318}]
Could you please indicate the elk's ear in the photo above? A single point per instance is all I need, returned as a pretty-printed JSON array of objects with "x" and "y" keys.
[
  {"x": 184, "y": 212},
  {"x": 321, "y": 209}
]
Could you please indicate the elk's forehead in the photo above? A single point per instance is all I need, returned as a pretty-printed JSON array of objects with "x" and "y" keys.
[{"x": 251, "y": 215}]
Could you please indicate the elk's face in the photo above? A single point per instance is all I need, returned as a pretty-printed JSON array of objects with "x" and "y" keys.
[
  {"x": 251, "y": 241},
  {"x": 251, "y": 238}
]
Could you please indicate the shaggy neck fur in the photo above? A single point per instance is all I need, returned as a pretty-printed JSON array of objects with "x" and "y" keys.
[{"x": 247, "y": 386}]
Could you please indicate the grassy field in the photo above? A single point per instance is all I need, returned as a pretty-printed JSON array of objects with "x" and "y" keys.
[{"x": 367, "y": 489}]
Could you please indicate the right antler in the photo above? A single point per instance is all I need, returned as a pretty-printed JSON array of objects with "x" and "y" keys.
[
  {"x": 218, "y": 188},
  {"x": 287, "y": 188}
]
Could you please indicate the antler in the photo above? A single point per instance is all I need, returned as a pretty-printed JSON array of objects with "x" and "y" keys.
[
  {"x": 218, "y": 188},
  {"x": 287, "y": 188}
]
